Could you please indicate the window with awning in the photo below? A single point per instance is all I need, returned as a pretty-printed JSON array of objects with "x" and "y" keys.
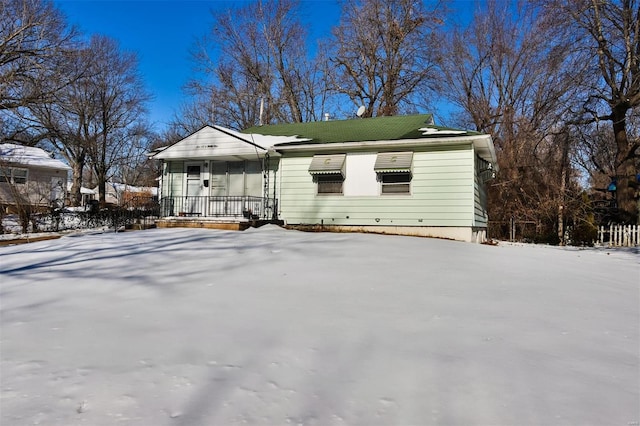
[
  {"x": 394, "y": 172},
  {"x": 393, "y": 162},
  {"x": 327, "y": 164}
]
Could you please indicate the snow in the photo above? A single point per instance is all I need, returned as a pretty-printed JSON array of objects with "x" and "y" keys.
[
  {"x": 427, "y": 131},
  {"x": 68, "y": 220},
  {"x": 83, "y": 190},
  {"x": 269, "y": 326},
  {"x": 266, "y": 142},
  {"x": 29, "y": 156},
  {"x": 122, "y": 188}
]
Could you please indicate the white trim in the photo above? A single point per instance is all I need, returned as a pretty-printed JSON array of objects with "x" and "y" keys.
[{"x": 482, "y": 144}]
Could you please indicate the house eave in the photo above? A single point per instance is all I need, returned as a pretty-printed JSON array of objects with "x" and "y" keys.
[
  {"x": 8, "y": 163},
  {"x": 482, "y": 145},
  {"x": 236, "y": 157}
]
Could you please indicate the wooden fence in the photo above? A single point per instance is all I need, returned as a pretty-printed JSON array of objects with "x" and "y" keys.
[{"x": 619, "y": 235}]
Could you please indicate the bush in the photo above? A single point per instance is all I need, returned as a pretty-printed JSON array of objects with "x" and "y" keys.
[
  {"x": 584, "y": 234},
  {"x": 550, "y": 238}
]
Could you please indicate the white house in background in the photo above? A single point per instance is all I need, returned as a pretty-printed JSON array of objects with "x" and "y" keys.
[
  {"x": 396, "y": 175},
  {"x": 30, "y": 176},
  {"x": 86, "y": 194}
]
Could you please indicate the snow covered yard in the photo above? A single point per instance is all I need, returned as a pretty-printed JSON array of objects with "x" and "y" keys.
[{"x": 267, "y": 326}]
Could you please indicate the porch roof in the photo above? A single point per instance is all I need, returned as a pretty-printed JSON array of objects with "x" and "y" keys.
[{"x": 220, "y": 143}]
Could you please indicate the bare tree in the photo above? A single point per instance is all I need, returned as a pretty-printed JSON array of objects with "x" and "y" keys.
[
  {"x": 117, "y": 95},
  {"x": 261, "y": 72},
  {"x": 96, "y": 121},
  {"x": 67, "y": 121},
  {"x": 385, "y": 53},
  {"x": 512, "y": 81},
  {"x": 35, "y": 49},
  {"x": 34, "y": 43},
  {"x": 606, "y": 36}
]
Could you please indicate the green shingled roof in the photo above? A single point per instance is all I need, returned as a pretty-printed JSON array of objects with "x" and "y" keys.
[{"x": 354, "y": 130}]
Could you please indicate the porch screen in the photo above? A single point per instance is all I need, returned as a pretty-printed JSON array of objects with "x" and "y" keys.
[
  {"x": 327, "y": 164},
  {"x": 393, "y": 162}
]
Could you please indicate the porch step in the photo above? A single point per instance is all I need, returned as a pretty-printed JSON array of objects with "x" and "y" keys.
[{"x": 228, "y": 225}]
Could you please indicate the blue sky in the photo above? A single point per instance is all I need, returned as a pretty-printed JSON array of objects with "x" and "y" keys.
[{"x": 162, "y": 33}]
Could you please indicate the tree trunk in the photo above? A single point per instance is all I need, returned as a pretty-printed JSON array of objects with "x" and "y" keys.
[
  {"x": 76, "y": 184},
  {"x": 564, "y": 181},
  {"x": 625, "y": 169},
  {"x": 102, "y": 190}
]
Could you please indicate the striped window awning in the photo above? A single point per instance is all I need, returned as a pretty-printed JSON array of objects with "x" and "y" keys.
[
  {"x": 388, "y": 162},
  {"x": 327, "y": 164}
]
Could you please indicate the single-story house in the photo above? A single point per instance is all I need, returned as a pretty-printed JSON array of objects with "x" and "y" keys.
[
  {"x": 29, "y": 176},
  {"x": 396, "y": 175}
]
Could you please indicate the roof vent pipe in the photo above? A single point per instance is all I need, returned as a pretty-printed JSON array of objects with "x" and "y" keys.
[{"x": 260, "y": 122}]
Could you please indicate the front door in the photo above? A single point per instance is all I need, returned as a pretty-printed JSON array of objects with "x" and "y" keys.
[{"x": 195, "y": 189}]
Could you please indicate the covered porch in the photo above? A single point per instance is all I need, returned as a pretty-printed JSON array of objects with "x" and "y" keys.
[
  {"x": 218, "y": 178},
  {"x": 245, "y": 207}
]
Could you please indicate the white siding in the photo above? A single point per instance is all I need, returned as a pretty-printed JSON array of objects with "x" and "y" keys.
[
  {"x": 210, "y": 143},
  {"x": 361, "y": 178}
]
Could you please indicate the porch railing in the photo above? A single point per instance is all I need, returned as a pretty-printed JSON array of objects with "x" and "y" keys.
[{"x": 247, "y": 207}]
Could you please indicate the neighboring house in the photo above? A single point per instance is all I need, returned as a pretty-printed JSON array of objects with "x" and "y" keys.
[
  {"x": 30, "y": 177},
  {"x": 120, "y": 194},
  {"x": 396, "y": 175}
]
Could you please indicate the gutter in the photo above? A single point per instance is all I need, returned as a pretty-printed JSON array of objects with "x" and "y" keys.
[{"x": 485, "y": 150}]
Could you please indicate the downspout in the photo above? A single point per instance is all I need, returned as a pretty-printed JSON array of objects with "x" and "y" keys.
[
  {"x": 265, "y": 184},
  {"x": 275, "y": 200}
]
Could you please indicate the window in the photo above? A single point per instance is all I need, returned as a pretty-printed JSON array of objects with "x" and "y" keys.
[
  {"x": 330, "y": 183},
  {"x": 396, "y": 183},
  {"x": 19, "y": 176},
  {"x": 13, "y": 175},
  {"x": 394, "y": 172},
  {"x": 328, "y": 173},
  {"x": 484, "y": 170},
  {"x": 193, "y": 172}
]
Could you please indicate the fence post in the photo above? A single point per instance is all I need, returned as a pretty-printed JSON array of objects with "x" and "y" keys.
[
  {"x": 512, "y": 230},
  {"x": 600, "y": 234},
  {"x": 612, "y": 235},
  {"x": 625, "y": 236}
]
